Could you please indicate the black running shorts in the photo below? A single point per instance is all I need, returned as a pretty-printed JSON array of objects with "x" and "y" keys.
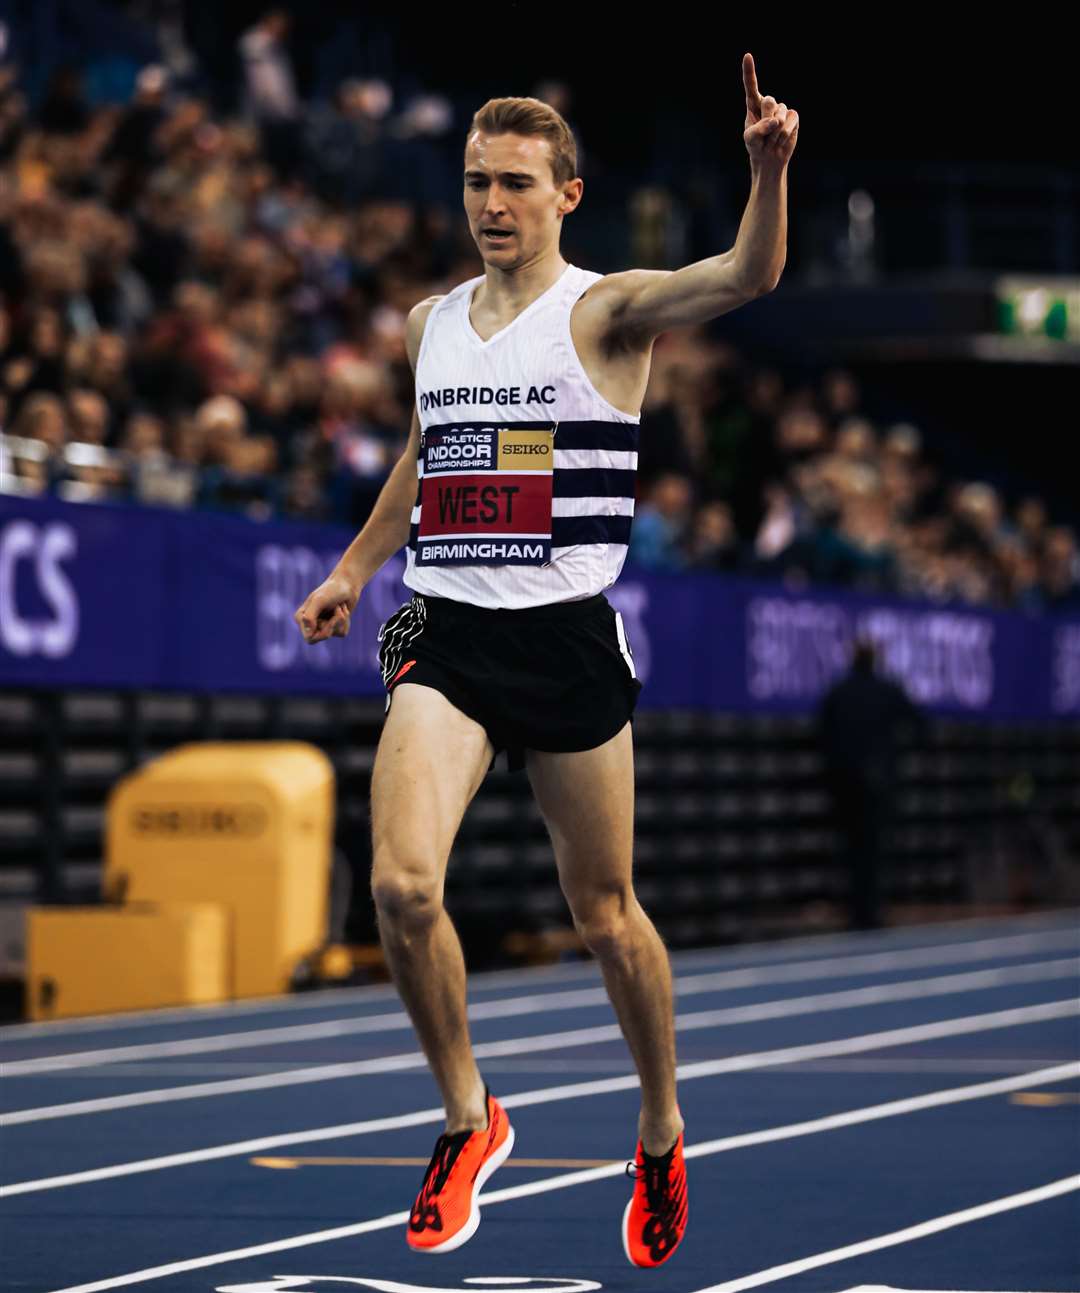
[{"x": 551, "y": 678}]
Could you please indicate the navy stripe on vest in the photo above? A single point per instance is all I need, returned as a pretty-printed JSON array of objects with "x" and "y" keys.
[
  {"x": 592, "y": 482},
  {"x": 614, "y": 436},
  {"x": 567, "y": 531}
]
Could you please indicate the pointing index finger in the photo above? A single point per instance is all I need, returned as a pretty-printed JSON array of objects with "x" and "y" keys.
[{"x": 750, "y": 85}]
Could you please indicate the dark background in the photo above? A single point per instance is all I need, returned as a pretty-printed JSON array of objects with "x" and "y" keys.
[{"x": 898, "y": 85}]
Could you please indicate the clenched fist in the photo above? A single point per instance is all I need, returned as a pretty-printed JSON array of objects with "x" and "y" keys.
[{"x": 326, "y": 612}]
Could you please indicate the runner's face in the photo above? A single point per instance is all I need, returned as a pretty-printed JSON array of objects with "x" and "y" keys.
[{"x": 509, "y": 186}]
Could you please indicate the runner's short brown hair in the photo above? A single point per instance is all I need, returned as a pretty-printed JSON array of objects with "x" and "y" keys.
[{"x": 531, "y": 117}]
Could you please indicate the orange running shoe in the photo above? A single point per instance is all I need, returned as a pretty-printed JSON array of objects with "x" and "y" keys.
[
  {"x": 655, "y": 1218},
  {"x": 445, "y": 1213}
]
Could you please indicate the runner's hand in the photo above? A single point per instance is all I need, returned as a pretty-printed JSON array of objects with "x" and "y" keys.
[
  {"x": 771, "y": 128},
  {"x": 327, "y": 611}
]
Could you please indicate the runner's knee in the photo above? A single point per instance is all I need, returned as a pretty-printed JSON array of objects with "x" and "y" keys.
[
  {"x": 406, "y": 895},
  {"x": 604, "y": 921}
]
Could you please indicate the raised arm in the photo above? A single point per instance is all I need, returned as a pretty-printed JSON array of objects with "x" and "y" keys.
[{"x": 645, "y": 303}]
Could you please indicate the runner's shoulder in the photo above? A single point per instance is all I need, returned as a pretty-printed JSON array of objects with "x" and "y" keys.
[
  {"x": 615, "y": 289},
  {"x": 605, "y": 306},
  {"x": 417, "y": 321}
]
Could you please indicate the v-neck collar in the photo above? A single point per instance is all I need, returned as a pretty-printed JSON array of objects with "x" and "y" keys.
[{"x": 476, "y": 337}]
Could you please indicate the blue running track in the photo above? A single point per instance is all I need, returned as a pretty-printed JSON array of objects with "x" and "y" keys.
[{"x": 898, "y": 1109}]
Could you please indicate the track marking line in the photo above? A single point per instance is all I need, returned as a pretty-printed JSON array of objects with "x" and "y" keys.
[
  {"x": 492, "y": 1283},
  {"x": 535, "y": 1003},
  {"x": 577, "y": 1090},
  {"x": 493, "y": 980},
  {"x": 932, "y": 1227},
  {"x": 589, "y": 1175},
  {"x": 782, "y": 1008},
  {"x": 289, "y": 1164}
]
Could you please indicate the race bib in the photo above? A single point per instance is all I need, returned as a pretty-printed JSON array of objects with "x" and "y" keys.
[{"x": 485, "y": 497}]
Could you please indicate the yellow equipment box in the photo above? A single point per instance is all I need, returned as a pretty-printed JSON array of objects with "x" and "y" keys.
[
  {"x": 95, "y": 960},
  {"x": 246, "y": 824}
]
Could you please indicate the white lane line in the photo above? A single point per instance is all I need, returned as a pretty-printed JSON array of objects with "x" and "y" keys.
[
  {"x": 890, "y": 1109},
  {"x": 536, "y": 1003},
  {"x": 783, "y": 1008},
  {"x": 792, "y": 949},
  {"x": 571, "y": 1091},
  {"x": 508, "y": 1008},
  {"x": 596, "y": 1067},
  {"x": 588, "y": 1175},
  {"x": 1006, "y": 1204}
]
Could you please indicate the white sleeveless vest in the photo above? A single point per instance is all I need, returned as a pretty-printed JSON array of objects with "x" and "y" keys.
[{"x": 526, "y": 473}]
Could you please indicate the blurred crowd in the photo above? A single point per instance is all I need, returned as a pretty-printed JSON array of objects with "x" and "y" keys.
[
  {"x": 206, "y": 311},
  {"x": 745, "y": 472}
]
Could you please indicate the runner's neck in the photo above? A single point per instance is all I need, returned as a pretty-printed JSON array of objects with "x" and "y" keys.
[{"x": 502, "y": 296}]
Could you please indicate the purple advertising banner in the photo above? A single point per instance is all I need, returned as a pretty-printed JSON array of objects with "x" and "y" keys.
[{"x": 111, "y": 596}]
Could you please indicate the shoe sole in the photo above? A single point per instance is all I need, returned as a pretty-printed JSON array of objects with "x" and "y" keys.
[
  {"x": 626, "y": 1243},
  {"x": 626, "y": 1233},
  {"x": 469, "y": 1228}
]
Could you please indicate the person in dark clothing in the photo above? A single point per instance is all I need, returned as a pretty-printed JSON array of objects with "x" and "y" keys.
[{"x": 858, "y": 723}]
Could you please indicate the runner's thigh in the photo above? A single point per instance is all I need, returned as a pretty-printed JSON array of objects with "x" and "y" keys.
[
  {"x": 430, "y": 763},
  {"x": 587, "y": 801}
]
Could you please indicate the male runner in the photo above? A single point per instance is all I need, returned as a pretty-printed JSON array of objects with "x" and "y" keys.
[{"x": 529, "y": 382}]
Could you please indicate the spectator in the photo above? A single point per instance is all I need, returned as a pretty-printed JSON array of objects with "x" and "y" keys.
[
  {"x": 42, "y": 417},
  {"x": 222, "y": 422},
  {"x": 41, "y": 420},
  {"x": 779, "y": 525},
  {"x": 714, "y": 545},
  {"x": 161, "y": 247},
  {"x": 344, "y": 146},
  {"x": 270, "y": 87},
  {"x": 353, "y": 441},
  {"x": 88, "y": 416},
  {"x": 42, "y": 368},
  {"x": 661, "y": 524},
  {"x": 840, "y": 396},
  {"x": 859, "y": 721},
  {"x": 133, "y": 146},
  {"x": 108, "y": 375},
  {"x": 63, "y": 110},
  {"x": 270, "y": 95},
  {"x": 244, "y": 482},
  {"x": 304, "y": 498},
  {"x": 1032, "y": 523},
  {"x": 1061, "y": 569}
]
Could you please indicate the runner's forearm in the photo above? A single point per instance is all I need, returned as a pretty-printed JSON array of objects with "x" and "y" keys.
[
  {"x": 761, "y": 246},
  {"x": 386, "y": 530}
]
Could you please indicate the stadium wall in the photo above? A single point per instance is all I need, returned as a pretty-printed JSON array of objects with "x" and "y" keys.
[{"x": 112, "y": 596}]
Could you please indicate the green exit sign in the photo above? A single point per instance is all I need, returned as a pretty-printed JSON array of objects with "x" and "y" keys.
[{"x": 1039, "y": 307}]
